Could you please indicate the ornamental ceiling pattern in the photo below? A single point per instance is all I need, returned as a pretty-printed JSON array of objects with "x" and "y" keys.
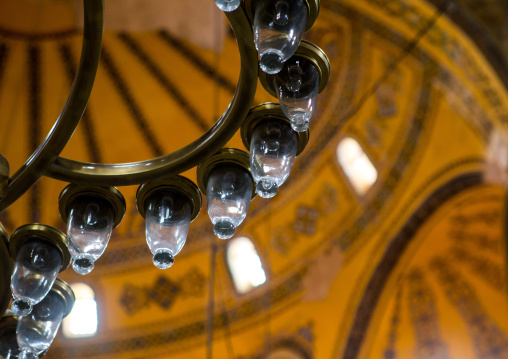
[{"x": 348, "y": 276}]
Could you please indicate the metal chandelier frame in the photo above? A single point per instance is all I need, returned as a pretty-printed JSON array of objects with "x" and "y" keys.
[{"x": 45, "y": 161}]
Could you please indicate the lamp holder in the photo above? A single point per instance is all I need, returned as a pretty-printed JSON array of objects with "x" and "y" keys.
[
  {"x": 313, "y": 7},
  {"x": 176, "y": 183},
  {"x": 226, "y": 156},
  {"x": 62, "y": 289},
  {"x": 8, "y": 325},
  {"x": 308, "y": 51},
  {"x": 269, "y": 111},
  {"x": 110, "y": 194},
  {"x": 40, "y": 232}
]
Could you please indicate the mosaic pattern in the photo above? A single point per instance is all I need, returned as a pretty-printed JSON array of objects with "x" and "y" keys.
[
  {"x": 390, "y": 350},
  {"x": 425, "y": 318},
  {"x": 384, "y": 269},
  {"x": 483, "y": 267},
  {"x": 164, "y": 292},
  {"x": 490, "y": 341},
  {"x": 281, "y": 294}
]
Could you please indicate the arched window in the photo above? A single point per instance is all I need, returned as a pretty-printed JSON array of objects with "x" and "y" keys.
[
  {"x": 356, "y": 164},
  {"x": 82, "y": 321},
  {"x": 245, "y": 265}
]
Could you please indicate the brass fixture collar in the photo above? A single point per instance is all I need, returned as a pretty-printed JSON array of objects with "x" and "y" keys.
[
  {"x": 308, "y": 51},
  {"x": 6, "y": 323},
  {"x": 226, "y": 156},
  {"x": 178, "y": 183},
  {"x": 312, "y": 13},
  {"x": 110, "y": 194},
  {"x": 42, "y": 232},
  {"x": 64, "y": 290},
  {"x": 269, "y": 111}
]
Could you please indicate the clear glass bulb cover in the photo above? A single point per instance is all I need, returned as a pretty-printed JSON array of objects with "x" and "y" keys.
[
  {"x": 227, "y": 5},
  {"x": 278, "y": 29},
  {"x": 272, "y": 154},
  {"x": 167, "y": 222},
  {"x": 36, "y": 332},
  {"x": 228, "y": 194},
  {"x": 35, "y": 270},
  {"x": 297, "y": 87},
  {"x": 89, "y": 228}
]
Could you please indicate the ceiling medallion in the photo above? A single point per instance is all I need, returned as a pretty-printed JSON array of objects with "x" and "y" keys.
[{"x": 295, "y": 71}]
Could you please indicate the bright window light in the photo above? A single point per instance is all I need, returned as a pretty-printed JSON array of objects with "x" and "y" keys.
[
  {"x": 82, "y": 321},
  {"x": 245, "y": 265},
  {"x": 357, "y": 165}
]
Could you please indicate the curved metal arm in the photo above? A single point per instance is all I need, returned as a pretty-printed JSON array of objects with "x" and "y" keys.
[
  {"x": 64, "y": 127},
  {"x": 124, "y": 174}
]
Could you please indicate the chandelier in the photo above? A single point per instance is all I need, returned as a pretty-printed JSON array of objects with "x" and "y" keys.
[{"x": 268, "y": 33}]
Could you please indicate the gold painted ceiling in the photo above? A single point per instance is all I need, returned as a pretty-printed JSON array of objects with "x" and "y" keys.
[{"x": 413, "y": 269}]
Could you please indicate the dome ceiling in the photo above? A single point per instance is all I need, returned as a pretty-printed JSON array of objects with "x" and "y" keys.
[{"x": 349, "y": 276}]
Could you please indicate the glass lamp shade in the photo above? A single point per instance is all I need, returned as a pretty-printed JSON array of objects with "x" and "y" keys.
[
  {"x": 278, "y": 29},
  {"x": 227, "y": 5},
  {"x": 297, "y": 87},
  {"x": 36, "y": 331},
  {"x": 89, "y": 226},
  {"x": 36, "y": 267},
  {"x": 272, "y": 154},
  {"x": 228, "y": 194},
  {"x": 168, "y": 215}
]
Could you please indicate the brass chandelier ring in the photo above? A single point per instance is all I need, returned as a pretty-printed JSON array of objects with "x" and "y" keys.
[
  {"x": 36, "y": 166},
  {"x": 135, "y": 173}
]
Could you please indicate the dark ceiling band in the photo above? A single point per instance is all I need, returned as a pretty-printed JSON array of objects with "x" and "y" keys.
[
  {"x": 70, "y": 65},
  {"x": 57, "y": 35},
  {"x": 163, "y": 80},
  {"x": 34, "y": 120},
  {"x": 197, "y": 61},
  {"x": 394, "y": 253},
  {"x": 131, "y": 103},
  {"x": 4, "y": 54}
]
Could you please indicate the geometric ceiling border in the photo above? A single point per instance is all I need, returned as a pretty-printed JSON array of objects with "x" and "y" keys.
[
  {"x": 26, "y": 36},
  {"x": 283, "y": 295},
  {"x": 478, "y": 34},
  {"x": 391, "y": 256}
]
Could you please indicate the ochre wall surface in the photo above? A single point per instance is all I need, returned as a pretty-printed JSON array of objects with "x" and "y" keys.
[{"x": 412, "y": 269}]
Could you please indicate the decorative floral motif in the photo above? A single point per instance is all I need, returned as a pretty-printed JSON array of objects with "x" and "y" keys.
[
  {"x": 489, "y": 339},
  {"x": 425, "y": 318},
  {"x": 164, "y": 292}
]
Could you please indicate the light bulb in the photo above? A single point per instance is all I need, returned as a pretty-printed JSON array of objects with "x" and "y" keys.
[
  {"x": 227, "y": 5},
  {"x": 36, "y": 331},
  {"x": 228, "y": 194},
  {"x": 278, "y": 29},
  {"x": 37, "y": 265},
  {"x": 272, "y": 153},
  {"x": 168, "y": 215},
  {"x": 89, "y": 227},
  {"x": 297, "y": 87}
]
